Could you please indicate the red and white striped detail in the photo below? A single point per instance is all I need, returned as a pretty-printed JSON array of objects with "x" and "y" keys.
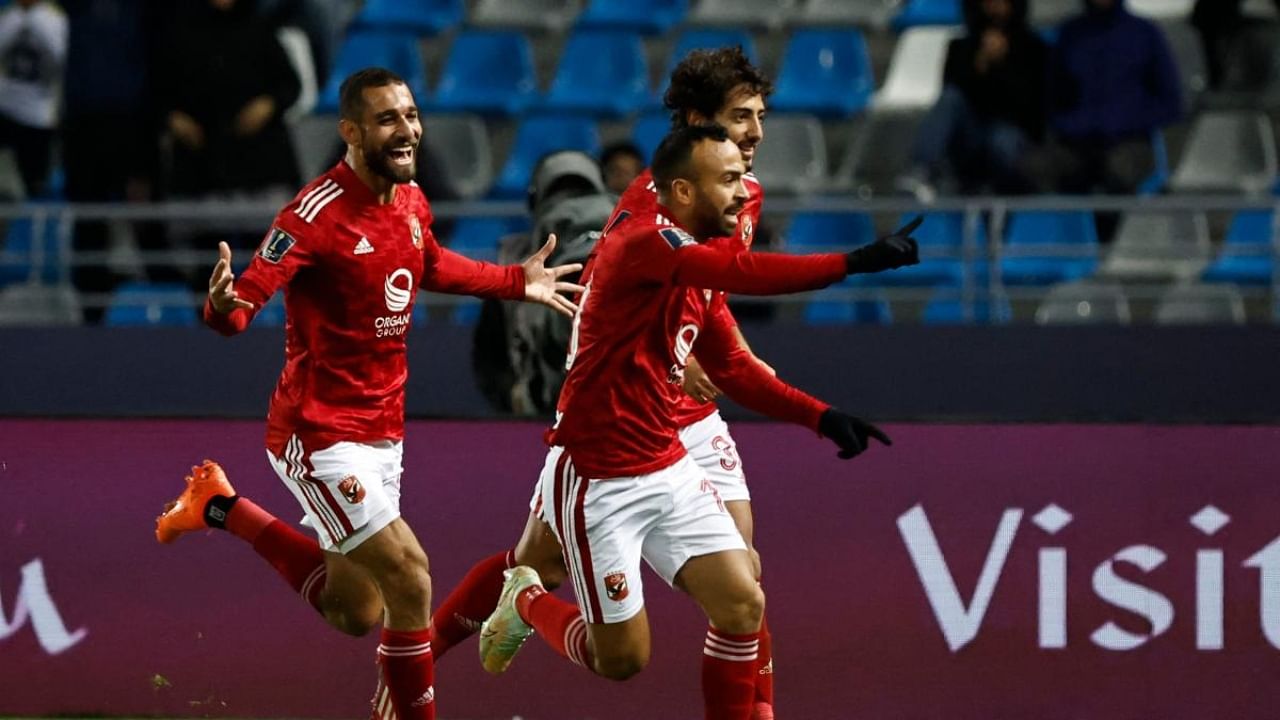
[
  {"x": 382, "y": 709},
  {"x": 575, "y": 643},
  {"x": 316, "y": 200},
  {"x": 723, "y": 648},
  {"x": 571, "y": 496},
  {"x": 318, "y": 497},
  {"x": 405, "y": 650},
  {"x": 313, "y": 584}
]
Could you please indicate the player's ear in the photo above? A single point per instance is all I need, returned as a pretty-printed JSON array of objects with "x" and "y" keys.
[
  {"x": 694, "y": 118},
  {"x": 682, "y": 191},
  {"x": 349, "y": 131}
]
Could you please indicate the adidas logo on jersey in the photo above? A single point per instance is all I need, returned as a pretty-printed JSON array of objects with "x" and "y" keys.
[{"x": 364, "y": 247}]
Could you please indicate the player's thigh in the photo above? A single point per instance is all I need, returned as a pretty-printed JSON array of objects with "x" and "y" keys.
[
  {"x": 539, "y": 549},
  {"x": 602, "y": 525},
  {"x": 350, "y": 599},
  {"x": 740, "y": 512},
  {"x": 348, "y": 491},
  {"x": 724, "y": 586}
]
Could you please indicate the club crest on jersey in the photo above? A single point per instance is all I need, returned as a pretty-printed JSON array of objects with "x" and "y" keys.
[
  {"x": 747, "y": 228},
  {"x": 351, "y": 489},
  {"x": 676, "y": 237},
  {"x": 276, "y": 244},
  {"x": 615, "y": 586},
  {"x": 415, "y": 230}
]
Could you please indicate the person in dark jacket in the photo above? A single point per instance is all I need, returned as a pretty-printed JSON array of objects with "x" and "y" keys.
[
  {"x": 1112, "y": 83},
  {"x": 224, "y": 84},
  {"x": 991, "y": 108}
]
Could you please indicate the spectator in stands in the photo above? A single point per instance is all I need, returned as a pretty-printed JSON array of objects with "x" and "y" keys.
[
  {"x": 319, "y": 19},
  {"x": 1221, "y": 25},
  {"x": 33, "y": 52},
  {"x": 1112, "y": 83},
  {"x": 109, "y": 130},
  {"x": 621, "y": 163},
  {"x": 991, "y": 108},
  {"x": 224, "y": 84}
]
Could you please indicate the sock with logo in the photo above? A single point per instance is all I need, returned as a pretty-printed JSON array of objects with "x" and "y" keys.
[
  {"x": 297, "y": 558},
  {"x": 729, "y": 665},
  {"x": 764, "y": 669},
  {"x": 408, "y": 671},
  {"x": 559, "y": 623},
  {"x": 461, "y": 613}
]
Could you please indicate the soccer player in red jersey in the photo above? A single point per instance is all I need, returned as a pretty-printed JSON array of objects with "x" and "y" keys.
[
  {"x": 618, "y": 485},
  {"x": 351, "y": 252}
]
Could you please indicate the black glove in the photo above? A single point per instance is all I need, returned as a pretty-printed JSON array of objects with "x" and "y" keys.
[
  {"x": 887, "y": 253},
  {"x": 849, "y": 432}
]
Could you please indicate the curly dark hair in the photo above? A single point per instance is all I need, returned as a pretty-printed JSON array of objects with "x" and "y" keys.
[{"x": 704, "y": 78}]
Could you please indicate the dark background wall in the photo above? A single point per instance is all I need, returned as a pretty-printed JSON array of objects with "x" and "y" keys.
[{"x": 1009, "y": 373}]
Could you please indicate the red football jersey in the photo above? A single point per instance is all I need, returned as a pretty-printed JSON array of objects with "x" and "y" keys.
[
  {"x": 350, "y": 268},
  {"x": 632, "y": 338},
  {"x": 640, "y": 198}
]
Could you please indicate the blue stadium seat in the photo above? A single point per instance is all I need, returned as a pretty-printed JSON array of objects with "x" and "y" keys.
[
  {"x": 825, "y": 309},
  {"x": 18, "y": 254},
  {"x": 947, "y": 309},
  {"x": 648, "y": 131},
  {"x": 928, "y": 12},
  {"x": 652, "y": 17},
  {"x": 477, "y": 237},
  {"x": 272, "y": 314},
  {"x": 538, "y": 135},
  {"x": 829, "y": 231},
  {"x": 397, "y": 51},
  {"x": 1046, "y": 248},
  {"x": 488, "y": 72},
  {"x": 941, "y": 238},
  {"x": 421, "y": 17},
  {"x": 1247, "y": 254},
  {"x": 139, "y": 303},
  {"x": 825, "y": 72},
  {"x": 602, "y": 72},
  {"x": 704, "y": 39}
]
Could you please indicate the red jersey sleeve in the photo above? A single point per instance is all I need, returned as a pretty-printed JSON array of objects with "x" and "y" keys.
[
  {"x": 460, "y": 275},
  {"x": 736, "y": 371},
  {"x": 669, "y": 254},
  {"x": 288, "y": 247}
]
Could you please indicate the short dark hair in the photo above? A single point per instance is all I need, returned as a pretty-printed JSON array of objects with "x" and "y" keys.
[
  {"x": 622, "y": 147},
  {"x": 704, "y": 78},
  {"x": 673, "y": 159},
  {"x": 351, "y": 93}
]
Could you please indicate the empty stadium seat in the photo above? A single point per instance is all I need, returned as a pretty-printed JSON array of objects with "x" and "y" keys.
[
  {"x": 487, "y": 72},
  {"x": 812, "y": 232},
  {"x": 316, "y": 143},
  {"x": 272, "y": 314},
  {"x": 421, "y": 17},
  {"x": 824, "y": 72},
  {"x": 648, "y": 130},
  {"x": 1228, "y": 152},
  {"x": 140, "y": 303},
  {"x": 395, "y": 50},
  {"x": 32, "y": 251},
  {"x": 948, "y": 309},
  {"x": 1196, "y": 304},
  {"x": 865, "y": 13},
  {"x": 478, "y": 238},
  {"x": 1084, "y": 304},
  {"x": 941, "y": 239},
  {"x": 602, "y": 72},
  {"x": 536, "y": 136},
  {"x": 828, "y": 308},
  {"x": 704, "y": 39},
  {"x": 1162, "y": 9},
  {"x": 1247, "y": 256},
  {"x": 795, "y": 158},
  {"x": 461, "y": 144},
  {"x": 39, "y": 305},
  {"x": 928, "y": 12},
  {"x": 550, "y": 15},
  {"x": 1158, "y": 246},
  {"x": 914, "y": 79},
  {"x": 1042, "y": 248},
  {"x": 879, "y": 152},
  {"x": 651, "y": 17},
  {"x": 764, "y": 14}
]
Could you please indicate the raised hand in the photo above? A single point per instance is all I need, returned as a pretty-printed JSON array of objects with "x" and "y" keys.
[
  {"x": 222, "y": 293},
  {"x": 542, "y": 284}
]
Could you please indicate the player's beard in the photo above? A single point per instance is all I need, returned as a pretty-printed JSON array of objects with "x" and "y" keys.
[
  {"x": 711, "y": 221},
  {"x": 378, "y": 160}
]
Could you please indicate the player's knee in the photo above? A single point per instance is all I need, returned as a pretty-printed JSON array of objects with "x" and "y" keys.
[
  {"x": 621, "y": 666},
  {"x": 407, "y": 585},
  {"x": 741, "y": 613},
  {"x": 553, "y": 574},
  {"x": 353, "y": 623}
]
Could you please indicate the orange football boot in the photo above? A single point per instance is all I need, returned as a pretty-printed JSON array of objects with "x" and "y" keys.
[{"x": 187, "y": 512}]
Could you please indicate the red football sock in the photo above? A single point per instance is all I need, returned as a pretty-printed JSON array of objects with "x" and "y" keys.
[
  {"x": 559, "y": 623},
  {"x": 467, "y": 606},
  {"x": 729, "y": 664},
  {"x": 297, "y": 558},
  {"x": 408, "y": 671},
  {"x": 764, "y": 668}
]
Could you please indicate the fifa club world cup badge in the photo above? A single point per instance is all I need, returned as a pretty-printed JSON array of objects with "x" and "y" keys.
[
  {"x": 415, "y": 229},
  {"x": 615, "y": 585},
  {"x": 351, "y": 489}
]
